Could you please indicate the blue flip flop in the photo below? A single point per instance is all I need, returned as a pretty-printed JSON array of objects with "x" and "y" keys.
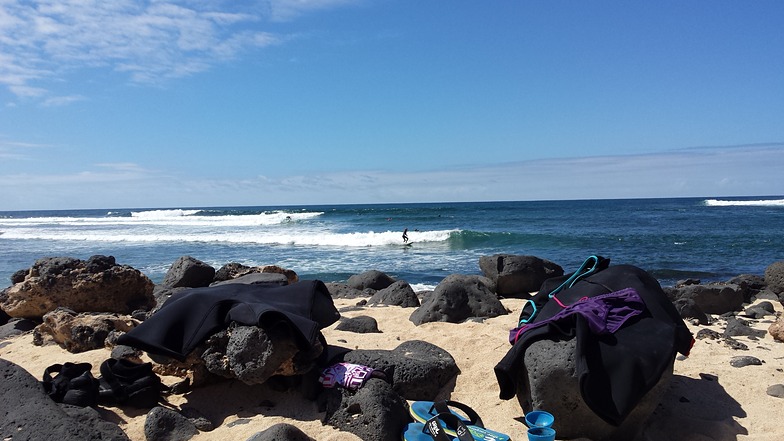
[
  {"x": 423, "y": 411},
  {"x": 418, "y": 432},
  {"x": 434, "y": 429}
]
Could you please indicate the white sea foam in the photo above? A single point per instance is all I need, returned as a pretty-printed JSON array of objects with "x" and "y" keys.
[
  {"x": 266, "y": 236},
  {"x": 162, "y": 214},
  {"x": 169, "y": 218},
  {"x": 418, "y": 287},
  {"x": 757, "y": 203}
]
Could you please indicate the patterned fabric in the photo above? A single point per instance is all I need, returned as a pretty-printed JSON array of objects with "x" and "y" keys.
[{"x": 348, "y": 375}]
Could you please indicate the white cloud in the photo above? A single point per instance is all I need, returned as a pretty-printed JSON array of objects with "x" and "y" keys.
[
  {"x": 17, "y": 151},
  {"x": 284, "y": 10},
  {"x": 62, "y": 100},
  {"x": 43, "y": 40}
]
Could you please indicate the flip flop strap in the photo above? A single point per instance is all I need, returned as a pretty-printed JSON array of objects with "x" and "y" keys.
[
  {"x": 443, "y": 407},
  {"x": 433, "y": 427}
]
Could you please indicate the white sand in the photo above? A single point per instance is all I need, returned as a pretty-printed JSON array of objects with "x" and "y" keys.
[{"x": 735, "y": 407}]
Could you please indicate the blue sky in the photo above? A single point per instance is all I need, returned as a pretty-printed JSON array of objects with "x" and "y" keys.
[{"x": 137, "y": 104}]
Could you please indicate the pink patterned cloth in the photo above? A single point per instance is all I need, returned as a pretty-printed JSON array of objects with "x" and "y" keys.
[{"x": 348, "y": 375}]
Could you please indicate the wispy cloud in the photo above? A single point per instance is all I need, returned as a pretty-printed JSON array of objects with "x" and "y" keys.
[
  {"x": 708, "y": 172},
  {"x": 152, "y": 41},
  {"x": 284, "y": 10},
  {"x": 14, "y": 150}
]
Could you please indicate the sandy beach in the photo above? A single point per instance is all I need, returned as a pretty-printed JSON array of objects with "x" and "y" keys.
[{"x": 708, "y": 398}]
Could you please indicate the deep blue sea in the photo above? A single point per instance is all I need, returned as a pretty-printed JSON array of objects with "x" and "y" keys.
[{"x": 710, "y": 239}]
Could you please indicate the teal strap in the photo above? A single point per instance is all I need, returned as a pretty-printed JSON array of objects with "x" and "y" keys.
[
  {"x": 533, "y": 313},
  {"x": 589, "y": 266},
  {"x": 581, "y": 272}
]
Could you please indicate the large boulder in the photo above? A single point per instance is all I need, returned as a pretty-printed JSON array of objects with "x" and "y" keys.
[
  {"x": 362, "y": 324},
  {"x": 517, "y": 276},
  {"x": 419, "y": 370},
  {"x": 188, "y": 272},
  {"x": 372, "y": 279},
  {"x": 399, "y": 293},
  {"x": 458, "y": 298},
  {"x": 343, "y": 291},
  {"x": 776, "y": 330},
  {"x": 270, "y": 279},
  {"x": 774, "y": 277},
  {"x": 236, "y": 270},
  {"x": 79, "y": 332},
  {"x": 281, "y": 432},
  {"x": 711, "y": 298},
  {"x": 550, "y": 381},
  {"x": 31, "y": 415},
  {"x": 164, "y": 424},
  {"x": 374, "y": 412},
  {"x": 252, "y": 355},
  {"x": 95, "y": 285}
]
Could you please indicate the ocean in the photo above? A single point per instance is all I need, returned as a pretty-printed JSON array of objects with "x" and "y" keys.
[{"x": 673, "y": 239}]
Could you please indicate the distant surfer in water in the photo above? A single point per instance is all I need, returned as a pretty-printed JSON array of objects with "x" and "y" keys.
[{"x": 405, "y": 235}]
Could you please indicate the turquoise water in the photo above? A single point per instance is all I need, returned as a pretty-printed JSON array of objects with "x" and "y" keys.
[{"x": 672, "y": 238}]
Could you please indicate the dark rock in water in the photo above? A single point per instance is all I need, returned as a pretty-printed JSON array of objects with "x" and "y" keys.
[
  {"x": 372, "y": 279},
  {"x": 774, "y": 277},
  {"x": 419, "y": 370},
  {"x": 736, "y": 327},
  {"x": 31, "y": 415},
  {"x": 550, "y": 382},
  {"x": 458, "y": 298},
  {"x": 745, "y": 360},
  {"x": 707, "y": 333},
  {"x": 79, "y": 332},
  {"x": 373, "y": 412},
  {"x": 95, "y": 285},
  {"x": 711, "y": 298},
  {"x": 690, "y": 281},
  {"x": 18, "y": 276},
  {"x": 343, "y": 291},
  {"x": 163, "y": 424},
  {"x": 399, "y": 293},
  {"x": 281, "y": 432},
  {"x": 362, "y": 325},
  {"x": 688, "y": 309},
  {"x": 188, "y": 272},
  {"x": 517, "y": 276},
  {"x": 16, "y": 327},
  {"x": 776, "y": 390}
]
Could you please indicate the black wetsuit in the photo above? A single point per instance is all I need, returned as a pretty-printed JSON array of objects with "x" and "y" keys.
[{"x": 189, "y": 317}]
